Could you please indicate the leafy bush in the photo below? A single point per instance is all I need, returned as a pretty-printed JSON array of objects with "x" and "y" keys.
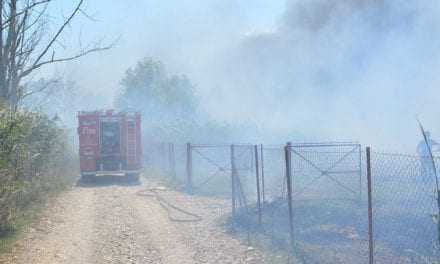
[{"x": 35, "y": 160}]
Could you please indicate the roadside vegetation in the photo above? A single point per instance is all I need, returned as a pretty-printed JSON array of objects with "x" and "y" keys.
[{"x": 36, "y": 161}]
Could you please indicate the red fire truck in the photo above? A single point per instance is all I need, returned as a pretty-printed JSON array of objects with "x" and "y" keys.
[{"x": 110, "y": 144}]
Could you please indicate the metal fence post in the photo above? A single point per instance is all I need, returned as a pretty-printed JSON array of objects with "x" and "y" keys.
[
  {"x": 288, "y": 161},
  {"x": 189, "y": 183},
  {"x": 370, "y": 208},
  {"x": 262, "y": 173},
  {"x": 257, "y": 177},
  {"x": 233, "y": 180}
]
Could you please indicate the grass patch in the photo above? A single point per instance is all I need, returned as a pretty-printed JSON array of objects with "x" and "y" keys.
[
  {"x": 11, "y": 232},
  {"x": 24, "y": 219},
  {"x": 317, "y": 225},
  {"x": 8, "y": 235}
]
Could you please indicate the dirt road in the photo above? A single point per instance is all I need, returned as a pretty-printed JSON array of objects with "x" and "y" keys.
[{"x": 111, "y": 223}]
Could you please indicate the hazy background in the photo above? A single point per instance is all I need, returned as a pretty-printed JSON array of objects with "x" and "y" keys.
[{"x": 297, "y": 70}]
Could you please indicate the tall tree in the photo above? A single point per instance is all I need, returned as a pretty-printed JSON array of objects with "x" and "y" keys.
[
  {"x": 168, "y": 102},
  {"x": 27, "y": 44}
]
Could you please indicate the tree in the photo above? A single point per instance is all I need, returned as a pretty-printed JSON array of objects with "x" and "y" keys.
[
  {"x": 168, "y": 102},
  {"x": 25, "y": 46}
]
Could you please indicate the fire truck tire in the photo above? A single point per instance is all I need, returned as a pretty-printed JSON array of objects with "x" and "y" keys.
[{"x": 87, "y": 178}]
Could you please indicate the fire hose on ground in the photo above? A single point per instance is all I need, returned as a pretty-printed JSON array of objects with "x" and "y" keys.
[{"x": 168, "y": 206}]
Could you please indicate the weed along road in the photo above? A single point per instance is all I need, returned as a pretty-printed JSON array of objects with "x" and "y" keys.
[{"x": 110, "y": 222}]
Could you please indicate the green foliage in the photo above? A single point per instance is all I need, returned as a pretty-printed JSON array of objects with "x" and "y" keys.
[
  {"x": 168, "y": 102},
  {"x": 149, "y": 87},
  {"x": 169, "y": 106},
  {"x": 35, "y": 160}
]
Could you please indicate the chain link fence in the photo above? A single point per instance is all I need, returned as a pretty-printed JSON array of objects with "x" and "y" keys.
[
  {"x": 324, "y": 216},
  {"x": 329, "y": 215},
  {"x": 405, "y": 212}
]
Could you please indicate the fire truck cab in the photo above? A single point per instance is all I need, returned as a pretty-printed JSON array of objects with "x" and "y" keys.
[{"x": 110, "y": 144}]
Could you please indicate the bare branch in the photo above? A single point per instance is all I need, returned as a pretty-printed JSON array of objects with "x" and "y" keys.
[
  {"x": 91, "y": 18},
  {"x": 42, "y": 88},
  {"x": 23, "y": 26},
  {"x": 37, "y": 19},
  {"x": 6, "y": 23},
  {"x": 58, "y": 33},
  {"x": 54, "y": 60}
]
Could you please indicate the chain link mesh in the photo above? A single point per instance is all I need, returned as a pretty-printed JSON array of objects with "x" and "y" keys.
[
  {"x": 405, "y": 209},
  {"x": 329, "y": 201}
]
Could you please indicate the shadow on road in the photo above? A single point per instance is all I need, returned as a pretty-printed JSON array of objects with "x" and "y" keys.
[{"x": 107, "y": 180}]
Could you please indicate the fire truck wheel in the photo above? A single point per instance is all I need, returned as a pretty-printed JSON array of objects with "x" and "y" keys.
[{"x": 88, "y": 178}]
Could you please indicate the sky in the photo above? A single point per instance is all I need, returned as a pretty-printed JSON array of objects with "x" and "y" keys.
[
  {"x": 358, "y": 70},
  {"x": 159, "y": 28}
]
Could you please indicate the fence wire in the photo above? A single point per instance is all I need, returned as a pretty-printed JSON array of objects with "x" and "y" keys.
[
  {"x": 167, "y": 160},
  {"x": 273, "y": 230},
  {"x": 329, "y": 215},
  {"x": 404, "y": 209},
  {"x": 211, "y": 170},
  {"x": 329, "y": 201}
]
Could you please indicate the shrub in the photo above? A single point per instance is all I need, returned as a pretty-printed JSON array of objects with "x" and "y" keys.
[{"x": 35, "y": 160}]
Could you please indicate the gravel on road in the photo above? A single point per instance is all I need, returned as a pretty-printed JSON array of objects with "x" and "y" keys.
[{"x": 112, "y": 223}]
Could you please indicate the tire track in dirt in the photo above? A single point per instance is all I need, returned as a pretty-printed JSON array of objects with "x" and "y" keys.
[
  {"x": 61, "y": 235},
  {"x": 110, "y": 224},
  {"x": 205, "y": 241},
  {"x": 120, "y": 235}
]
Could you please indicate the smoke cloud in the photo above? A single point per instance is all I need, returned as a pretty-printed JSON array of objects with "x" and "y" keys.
[
  {"x": 337, "y": 70},
  {"x": 316, "y": 70}
]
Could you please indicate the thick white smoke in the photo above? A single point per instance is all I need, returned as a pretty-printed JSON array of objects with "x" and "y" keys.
[
  {"x": 337, "y": 70},
  {"x": 329, "y": 70}
]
